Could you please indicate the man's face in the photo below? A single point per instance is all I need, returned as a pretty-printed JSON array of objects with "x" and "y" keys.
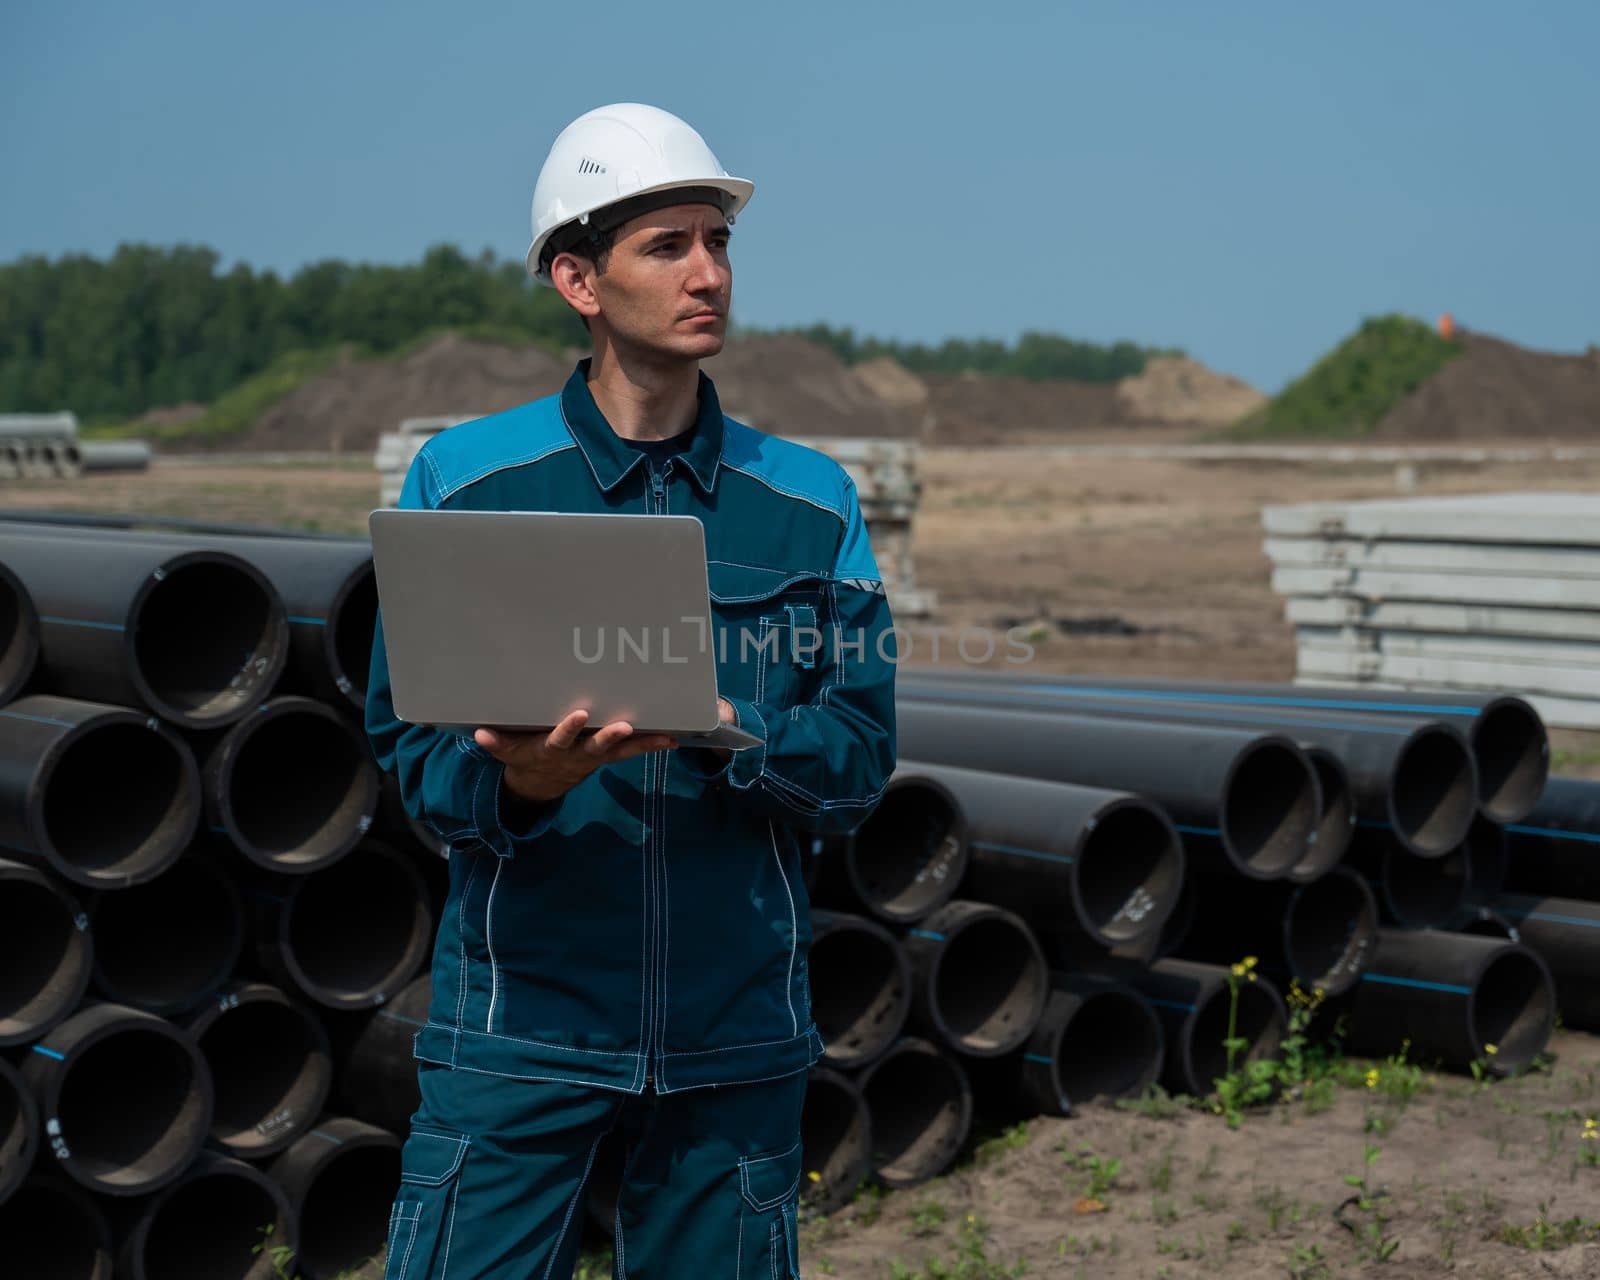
[{"x": 668, "y": 282}]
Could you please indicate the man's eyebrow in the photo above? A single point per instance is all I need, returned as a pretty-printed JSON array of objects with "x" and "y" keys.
[{"x": 668, "y": 234}]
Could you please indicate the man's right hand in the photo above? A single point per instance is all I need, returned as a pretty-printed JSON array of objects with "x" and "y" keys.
[{"x": 542, "y": 766}]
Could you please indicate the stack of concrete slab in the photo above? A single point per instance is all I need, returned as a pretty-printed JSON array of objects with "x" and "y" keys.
[
  {"x": 885, "y": 472},
  {"x": 1490, "y": 592}
]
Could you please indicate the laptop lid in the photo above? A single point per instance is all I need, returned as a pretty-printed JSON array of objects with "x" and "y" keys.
[{"x": 512, "y": 619}]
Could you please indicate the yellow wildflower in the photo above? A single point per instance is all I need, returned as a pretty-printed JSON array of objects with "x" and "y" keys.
[
  {"x": 1491, "y": 1049},
  {"x": 1372, "y": 1077},
  {"x": 814, "y": 1176},
  {"x": 1591, "y": 1130}
]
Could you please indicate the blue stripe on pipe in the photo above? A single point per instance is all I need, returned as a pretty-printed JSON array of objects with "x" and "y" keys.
[
  {"x": 1020, "y": 699},
  {"x": 1449, "y": 987},
  {"x": 1171, "y": 1004},
  {"x": 1588, "y": 837},
  {"x": 50, "y": 1053},
  {"x": 23, "y": 715},
  {"x": 1021, "y": 852},
  {"x": 1553, "y": 918},
  {"x": 1038, "y": 1057},
  {"x": 1254, "y": 700},
  {"x": 923, "y": 933},
  {"x": 1197, "y": 831},
  {"x": 310, "y": 622},
  {"x": 81, "y": 622}
]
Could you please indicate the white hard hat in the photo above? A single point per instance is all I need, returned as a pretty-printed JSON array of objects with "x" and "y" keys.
[{"x": 611, "y": 156}]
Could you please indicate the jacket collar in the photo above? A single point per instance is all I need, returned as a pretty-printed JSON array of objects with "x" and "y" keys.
[{"x": 610, "y": 459}]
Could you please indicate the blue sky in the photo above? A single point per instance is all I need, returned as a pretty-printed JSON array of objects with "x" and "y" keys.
[{"x": 1246, "y": 180}]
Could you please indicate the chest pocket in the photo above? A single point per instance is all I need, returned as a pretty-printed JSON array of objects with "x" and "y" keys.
[{"x": 770, "y": 630}]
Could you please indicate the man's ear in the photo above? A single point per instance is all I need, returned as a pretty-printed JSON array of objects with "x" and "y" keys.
[{"x": 573, "y": 278}]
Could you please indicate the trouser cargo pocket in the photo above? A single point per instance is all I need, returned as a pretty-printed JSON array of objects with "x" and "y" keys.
[
  {"x": 424, "y": 1209},
  {"x": 769, "y": 1244}
]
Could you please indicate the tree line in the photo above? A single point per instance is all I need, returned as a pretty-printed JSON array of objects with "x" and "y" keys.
[{"x": 153, "y": 325}]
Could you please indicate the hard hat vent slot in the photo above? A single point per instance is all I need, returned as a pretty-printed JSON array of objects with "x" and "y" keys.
[{"x": 586, "y": 165}]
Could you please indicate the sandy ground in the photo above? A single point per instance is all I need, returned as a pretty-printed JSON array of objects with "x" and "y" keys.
[{"x": 1139, "y": 567}]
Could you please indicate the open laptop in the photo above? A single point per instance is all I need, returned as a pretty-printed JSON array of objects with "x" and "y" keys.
[{"x": 512, "y": 619}]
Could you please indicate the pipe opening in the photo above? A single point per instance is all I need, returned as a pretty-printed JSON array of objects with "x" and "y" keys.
[
  {"x": 989, "y": 985},
  {"x": 1257, "y": 1024},
  {"x": 1127, "y": 873},
  {"x": 833, "y": 1140},
  {"x": 19, "y": 638},
  {"x": 318, "y": 761},
  {"x": 345, "y": 1208},
  {"x": 119, "y": 802},
  {"x": 166, "y": 945},
  {"x": 1330, "y": 928},
  {"x": 206, "y": 641},
  {"x": 1425, "y": 893},
  {"x": 1513, "y": 751},
  {"x": 907, "y": 857},
  {"x": 1336, "y": 820},
  {"x": 133, "y": 1108},
  {"x": 1513, "y": 1009},
  {"x": 1487, "y": 923},
  {"x": 1432, "y": 797},
  {"x": 270, "y": 1073},
  {"x": 1269, "y": 810},
  {"x": 343, "y": 965},
  {"x": 210, "y": 1228},
  {"x": 355, "y": 619},
  {"x": 920, "y": 1115},
  {"x": 859, "y": 993},
  {"x": 1110, "y": 1047},
  {"x": 53, "y": 1234},
  {"x": 44, "y": 959}
]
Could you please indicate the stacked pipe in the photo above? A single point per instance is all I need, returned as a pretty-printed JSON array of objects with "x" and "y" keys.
[
  {"x": 190, "y": 818},
  {"x": 46, "y": 446}
]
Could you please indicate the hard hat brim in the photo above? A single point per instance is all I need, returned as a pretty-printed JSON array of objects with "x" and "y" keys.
[{"x": 740, "y": 189}]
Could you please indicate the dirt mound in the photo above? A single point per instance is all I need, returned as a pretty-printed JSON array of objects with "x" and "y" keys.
[
  {"x": 969, "y": 408},
  {"x": 1496, "y": 389},
  {"x": 1178, "y": 389},
  {"x": 787, "y": 386},
  {"x": 346, "y": 408},
  {"x": 892, "y": 382}
]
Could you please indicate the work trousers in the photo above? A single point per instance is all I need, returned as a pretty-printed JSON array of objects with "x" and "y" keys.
[{"x": 495, "y": 1170}]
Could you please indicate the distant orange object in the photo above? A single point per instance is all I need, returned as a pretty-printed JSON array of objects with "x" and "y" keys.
[{"x": 1447, "y": 326}]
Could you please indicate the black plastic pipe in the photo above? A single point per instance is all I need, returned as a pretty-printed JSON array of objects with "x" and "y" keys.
[
  {"x": 221, "y": 1221},
  {"x": 1320, "y": 934},
  {"x": 1162, "y": 943},
  {"x": 293, "y": 785},
  {"x": 1417, "y": 893},
  {"x": 340, "y": 1179},
  {"x": 19, "y": 1129},
  {"x": 54, "y": 1230},
  {"x": 348, "y": 936},
  {"x": 378, "y": 1078},
  {"x": 19, "y": 636},
  {"x": 1096, "y": 1038},
  {"x": 100, "y": 795},
  {"x": 920, "y": 1112},
  {"x": 327, "y": 587},
  {"x": 1257, "y": 792},
  {"x": 46, "y": 953},
  {"x": 979, "y": 979},
  {"x": 399, "y": 825},
  {"x": 1417, "y": 778},
  {"x": 835, "y": 1141},
  {"x": 198, "y": 637},
  {"x": 1555, "y": 849},
  {"x": 270, "y": 1065},
  {"x": 169, "y": 944},
  {"x": 1194, "y": 1002},
  {"x": 1071, "y": 861},
  {"x": 1509, "y": 741},
  {"x": 1486, "y": 922},
  {"x": 905, "y": 860},
  {"x": 1488, "y": 860},
  {"x": 126, "y": 1098},
  {"x": 1336, "y": 819},
  {"x": 860, "y": 987},
  {"x": 1455, "y": 999},
  {"x": 1565, "y": 934}
]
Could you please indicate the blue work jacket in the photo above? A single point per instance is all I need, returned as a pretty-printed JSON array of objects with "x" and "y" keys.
[{"x": 650, "y": 927}]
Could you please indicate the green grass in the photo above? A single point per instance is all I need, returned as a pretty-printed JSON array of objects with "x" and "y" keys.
[{"x": 1349, "y": 390}]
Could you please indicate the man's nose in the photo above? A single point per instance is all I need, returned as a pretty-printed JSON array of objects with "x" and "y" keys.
[{"x": 705, "y": 272}]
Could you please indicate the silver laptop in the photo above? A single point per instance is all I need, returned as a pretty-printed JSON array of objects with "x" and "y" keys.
[{"x": 510, "y": 620}]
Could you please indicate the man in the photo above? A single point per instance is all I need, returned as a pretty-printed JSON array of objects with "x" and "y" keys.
[{"x": 623, "y": 949}]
